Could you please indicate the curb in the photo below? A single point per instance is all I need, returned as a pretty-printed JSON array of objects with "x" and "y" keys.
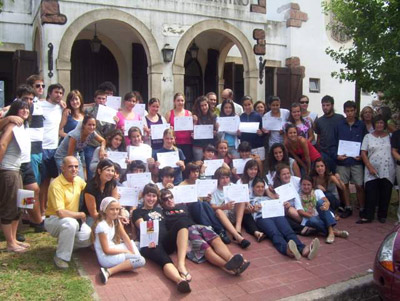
[
  {"x": 360, "y": 288},
  {"x": 83, "y": 274}
]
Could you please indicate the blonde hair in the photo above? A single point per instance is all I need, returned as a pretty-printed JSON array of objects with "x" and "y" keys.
[
  {"x": 177, "y": 95},
  {"x": 101, "y": 217},
  {"x": 172, "y": 133}
]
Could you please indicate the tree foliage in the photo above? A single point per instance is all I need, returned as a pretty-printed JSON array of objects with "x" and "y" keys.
[{"x": 373, "y": 58}]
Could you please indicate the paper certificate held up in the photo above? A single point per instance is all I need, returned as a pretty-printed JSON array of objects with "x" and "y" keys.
[
  {"x": 168, "y": 159},
  {"x": 183, "y": 123},
  {"x": 138, "y": 180},
  {"x": 349, "y": 148},
  {"x": 272, "y": 123},
  {"x": 25, "y": 198},
  {"x": 131, "y": 123},
  {"x": 203, "y": 131},
  {"x": 286, "y": 192},
  {"x": 114, "y": 102},
  {"x": 139, "y": 109},
  {"x": 239, "y": 165},
  {"x": 149, "y": 232},
  {"x": 239, "y": 193},
  {"x": 118, "y": 157},
  {"x": 157, "y": 130},
  {"x": 249, "y": 127},
  {"x": 228, "y": 124},
  {"x": 139, "y": 153},
  {"x": 272, "y": 208},
  {"x": 128, "y": 196},
  {"x": 106, "y": 114},
  {"x": 260, "y": 151},
  {"x": 206, "y": 187},
  {"x": 212, "y": 166},
  {"x": 184, "y": 194}
]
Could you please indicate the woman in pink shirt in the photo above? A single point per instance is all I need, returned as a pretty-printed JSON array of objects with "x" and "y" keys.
[{"x": 127, "y": 113}]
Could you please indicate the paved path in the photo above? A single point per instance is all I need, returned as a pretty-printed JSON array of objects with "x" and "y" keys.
[{"x": 270, "y": 276}]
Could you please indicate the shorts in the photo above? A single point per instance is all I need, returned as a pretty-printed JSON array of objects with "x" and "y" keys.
[
  {"x": 36, "y": 163},
  {"x": 231, "y": 214},
  {"x": 200, "y": 238},
  {"x": 353, "y": 174},
  {"x": 49, "y": 166},
  {"x": 10, "y": 182},
  {"x": 28, "y": 176}
]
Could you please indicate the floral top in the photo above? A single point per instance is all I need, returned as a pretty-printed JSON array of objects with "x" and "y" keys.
[
  {"x": 380, "y": 156},
  {"x": 302, "y": 128}
]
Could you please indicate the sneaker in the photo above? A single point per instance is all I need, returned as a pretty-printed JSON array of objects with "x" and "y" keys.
[
  {"x": 225, "y": 238},
  {"x": 348, "y": 212},
  {"x": 61, "y": 264},
  {"x": 104, "y": 275}
]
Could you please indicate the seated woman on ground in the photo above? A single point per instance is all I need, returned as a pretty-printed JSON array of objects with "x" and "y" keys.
[
  {"x": 166, "y": 175},
  {"x": 169, "y": 240},
  {"x": 278, "y": 154},
  {"x": 209, "y": 153},
  {"x": 316, "y": 212},
  {"x": 278, "y": 228},
  {"x": 102, "y": 185},
  {"x": 113, "y": 255},
  {"x": 229, "y": 214},
  {"x": 115, "y": 143},
  {"x": 205, "y": 244},
  {"x": 324, "y": 180}
]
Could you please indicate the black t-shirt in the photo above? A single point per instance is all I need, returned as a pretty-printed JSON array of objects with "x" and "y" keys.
[
  {"x": 178, "y": 214},
  {"x": 395, "y": 140},
  {"x": 91, "y": 188},
  {"x": 151, "y": 214}
]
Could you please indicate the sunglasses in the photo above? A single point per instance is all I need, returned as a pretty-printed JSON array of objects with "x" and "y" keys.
[
  {"x": 39, "y": 85},
  {"x": 167, "y": 198},
  {"x": 304, "y": 102}
]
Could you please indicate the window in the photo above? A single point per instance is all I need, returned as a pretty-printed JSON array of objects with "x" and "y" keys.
[{"x": 314, "y": 85}]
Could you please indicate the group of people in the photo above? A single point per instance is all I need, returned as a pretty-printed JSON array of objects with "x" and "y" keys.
[{"x": 44, "y": 139}]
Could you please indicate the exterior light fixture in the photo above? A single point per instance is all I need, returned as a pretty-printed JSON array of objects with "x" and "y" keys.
[
  {"x": 167, "y": 53},
  {"x": 194, "y": 50},
  {"x": 95, "y": 43}
]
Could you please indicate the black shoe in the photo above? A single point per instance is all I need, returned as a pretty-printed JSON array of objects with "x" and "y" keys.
[
  {"x": 361, "y": 213},
  {"x": 20, "y": 237},
  {"x": 244, "y": 244},
  {"x": 225, "y": 238},
  {"x": 382, "y": 220},
  {"x": 348, "y": 212},
  {"x": 39, "y": 228}
]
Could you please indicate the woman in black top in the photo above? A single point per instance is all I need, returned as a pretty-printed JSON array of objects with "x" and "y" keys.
[
  {"x": 102, "y": 185},
  {"x": 169, "y": 240}
]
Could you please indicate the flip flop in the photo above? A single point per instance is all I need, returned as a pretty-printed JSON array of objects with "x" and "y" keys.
[
  {"x": 23, "y": 244},
  {"x": 186, "y": 276},
  {"x": 242, "y": 268},
  {"x": 17, "y": 250},
  {"x": 183, "y": 287},
  {"x": 234, "y": 263},
  {"x": 261, "y": 237},
  {"x": 293, "y": 248},
  {"x": 314, "y": 246}
]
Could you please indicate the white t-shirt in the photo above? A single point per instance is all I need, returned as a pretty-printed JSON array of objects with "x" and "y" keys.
[
  {"x": 103, "y": 227},
  {"x": 52, "y": 114},
  {"x": 275, "y": 136}
]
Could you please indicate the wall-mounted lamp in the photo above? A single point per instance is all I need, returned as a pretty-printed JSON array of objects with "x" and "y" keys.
[
  {"x": 194, "y": 50},
  {"x": 261, "y": 69},
  {"x": 167, "y": 53},
  {"x": 95, "y": 43},
  {"x": 50, "y": 59}
]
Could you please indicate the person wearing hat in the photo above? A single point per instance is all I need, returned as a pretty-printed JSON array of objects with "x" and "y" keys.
[{"x": 63, "y": 219}]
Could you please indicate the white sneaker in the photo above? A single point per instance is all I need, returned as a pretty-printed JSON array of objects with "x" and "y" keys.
[
  {"x": 61, "y": 264},
  {"x": 104, "y": 275}
]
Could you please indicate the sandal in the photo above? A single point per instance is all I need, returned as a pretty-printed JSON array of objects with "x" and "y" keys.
[
  {"x": 330, "y": 239},
  {"x": 23, "y": 244},
  {"x": 244, "y": 244},
  {"x": 314, "y": 246},
  {"x": 17, "y": 250},
  {"x": 307, "y": 231},
  {"x": 260, "y": 237},
  {"x": 342, "y": 234},
  {"x": 234, "y": 263},
  {"x": 183, "y": 287},
  {"x": 185, "y": 276},
  {"x": 242, "y": 268},
  {"x": 293, "y": 249}
]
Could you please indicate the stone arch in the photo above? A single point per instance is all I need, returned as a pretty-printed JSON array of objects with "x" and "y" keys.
[
  {"x": 143, "y": 33},
  {"x": 232, "y": 33}
]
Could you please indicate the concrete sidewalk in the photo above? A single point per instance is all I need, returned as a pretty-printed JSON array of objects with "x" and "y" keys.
[{"x": 270, "y": 276}]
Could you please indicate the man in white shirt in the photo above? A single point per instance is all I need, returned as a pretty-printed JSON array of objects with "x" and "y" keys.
[{"x": 228, "y": 94}]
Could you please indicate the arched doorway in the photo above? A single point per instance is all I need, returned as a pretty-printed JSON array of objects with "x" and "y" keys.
[
  {"x": 193, "y": 81},
  {"x": 89, "y": 69}
]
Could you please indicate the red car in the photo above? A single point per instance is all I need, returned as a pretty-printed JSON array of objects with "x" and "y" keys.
[{"x": 387, "y": 266}]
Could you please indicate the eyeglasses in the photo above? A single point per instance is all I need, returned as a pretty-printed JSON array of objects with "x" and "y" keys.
[
  {"x": 167, "y": 198},
  {"x": 37, "y": 86},
  {"x": 304, "y": 102},
  {"x": 73, "y": 166}
]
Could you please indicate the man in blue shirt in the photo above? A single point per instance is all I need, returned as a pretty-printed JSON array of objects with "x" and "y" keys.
[{"x": 350, "y": 169}]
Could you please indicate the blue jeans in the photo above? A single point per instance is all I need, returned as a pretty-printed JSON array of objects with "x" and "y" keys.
[
  {"x": 203, "y": 214},
  {"x": 321, "y": 222},
  {"x": 279, "y": 231},
  {"x": 330, "y": 160},
  {"x": 335, "y": 203},
  {"x": 88, "y": 151}
]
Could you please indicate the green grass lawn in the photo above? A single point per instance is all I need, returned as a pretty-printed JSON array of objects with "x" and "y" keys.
[{"x": 33, "y": 276}]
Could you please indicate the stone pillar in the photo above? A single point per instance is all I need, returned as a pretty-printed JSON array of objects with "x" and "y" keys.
[
  {"x": 63, "y": 68},
  {"x": 251, "y": 83}
]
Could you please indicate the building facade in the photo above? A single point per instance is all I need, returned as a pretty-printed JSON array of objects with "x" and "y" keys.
[{"x": 256, "y": 47}]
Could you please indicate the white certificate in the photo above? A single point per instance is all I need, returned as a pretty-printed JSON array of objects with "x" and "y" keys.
[
  {"x": 286, "y": 192},
  {"x": 260, "y": 151},
  {"x": 183, "y": 123},
  {"x": 272, "y": 208},
  {"x": 106, "y": 114},
  {"x": 203, "y": 131},
  {"x": 139, "y": 109},
  {"x": 272, "y": 123},
  {"x": 114, "y": 102},
  {"x": 25, "y": 198},
  {"x": 184, "y": 194},
  {"x": 249, "y": 127},
  {"x": 157, "y": 130},
  {"x": 118, "y": 157},
  {"x": 138, "y": 180},
  {"x": 128, "y": 196},
  {"x": 239, "y": 165},
  {"x": 23, "y": 140},
  {"x": 168, "y": 159},
  {"x": 228, "y": 124},
  {"x": 212, "y": 166},
  {"x": 206, "y": 187},
  {"x": 239, "y": 193},
  {"x": 349, "y": 148},
  {"x": 131, "y": 123},
  {"x": 139, "y": 153},
  {"x": 149, "y": 232}
]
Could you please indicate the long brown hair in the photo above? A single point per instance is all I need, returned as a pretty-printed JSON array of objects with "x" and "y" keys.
[{"x": 101, "y": 217}]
